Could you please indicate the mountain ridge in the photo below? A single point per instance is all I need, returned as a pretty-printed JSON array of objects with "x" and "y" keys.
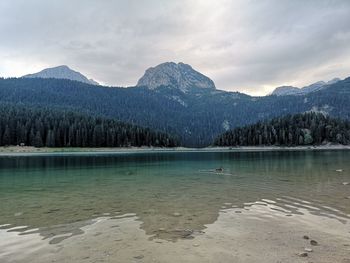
[{"x": 291, "y": 90}]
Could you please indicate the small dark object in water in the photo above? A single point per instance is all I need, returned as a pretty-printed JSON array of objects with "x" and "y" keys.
[
  {"x": 219, "y": 169},
  {"x": 313, "y": 242},
  {"x": 306, "y": 237},
  {"x": 303, "y": 254}
]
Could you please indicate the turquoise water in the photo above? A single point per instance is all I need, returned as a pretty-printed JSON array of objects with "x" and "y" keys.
[{"x": 58, "y": 194}]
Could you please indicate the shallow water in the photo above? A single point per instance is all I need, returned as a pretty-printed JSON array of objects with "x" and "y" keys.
[{"x": 181, "y": 192}]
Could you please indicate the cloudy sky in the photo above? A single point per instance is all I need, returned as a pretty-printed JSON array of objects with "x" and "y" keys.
[{"x": 249, "y": 46}]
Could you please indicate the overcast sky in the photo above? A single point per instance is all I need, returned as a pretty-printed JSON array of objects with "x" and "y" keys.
[{"x": 249, "y": 46}]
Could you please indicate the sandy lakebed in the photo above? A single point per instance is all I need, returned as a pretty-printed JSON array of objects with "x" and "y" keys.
[{"x": 238, "y": 235}]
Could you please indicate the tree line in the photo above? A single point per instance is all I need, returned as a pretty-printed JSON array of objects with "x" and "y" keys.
[
  {"x": 54, "y": 128},
  {"x": 301, "y": 129}
]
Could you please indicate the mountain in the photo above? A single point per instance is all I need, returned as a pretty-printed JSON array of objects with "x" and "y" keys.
[
  {"x": 285, "y": 90},
  {"x": 301, "y": 129},
  {"x": 180, "y": 76},
  {"x": 194, "y": 114},
  {"x": 196, "y": 118},
  {"x": 61, "y": 72},
  {"x": 319, "y": 85},
  {"x": 290, "y": 90}
]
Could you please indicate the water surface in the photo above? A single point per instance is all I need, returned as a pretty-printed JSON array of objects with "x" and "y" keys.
[{"x": 179, "y": 192}]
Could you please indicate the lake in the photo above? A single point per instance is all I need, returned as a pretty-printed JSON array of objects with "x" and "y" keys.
[{"x": 175, "y": 207}]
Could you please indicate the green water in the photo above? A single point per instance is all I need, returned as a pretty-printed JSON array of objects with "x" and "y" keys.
[{"x": 58, "y": 194}]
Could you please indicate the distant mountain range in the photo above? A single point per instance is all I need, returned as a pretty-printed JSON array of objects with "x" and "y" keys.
[
  {"x": 176, "y": 99},
  {"x": 290, "y": 90},
  {"x": 61, "y": 72}
]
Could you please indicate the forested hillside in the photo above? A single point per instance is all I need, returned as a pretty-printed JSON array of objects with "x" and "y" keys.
[
  {"x": 291, "y": 130},
  {"x": 50, "y": 128},
  {"x": 196, "y": 117}
]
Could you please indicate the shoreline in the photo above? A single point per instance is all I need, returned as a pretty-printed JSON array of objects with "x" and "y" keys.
[{"x": 29, "y": 150}]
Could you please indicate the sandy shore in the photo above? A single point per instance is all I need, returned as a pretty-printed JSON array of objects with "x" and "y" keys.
[
  {"x": 28, "y": 150},
  {"x": 258, "y": 234}
]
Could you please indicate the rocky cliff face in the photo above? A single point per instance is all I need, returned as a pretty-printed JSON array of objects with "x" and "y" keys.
[{"x": 180, "y": 76}]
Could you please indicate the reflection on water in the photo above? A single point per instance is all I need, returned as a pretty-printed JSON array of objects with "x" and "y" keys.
[{"x": 173, "y": 194}]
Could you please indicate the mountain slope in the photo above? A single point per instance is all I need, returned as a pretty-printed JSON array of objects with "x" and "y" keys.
[
  {"x": 301, "y": 129},
  {"x": 61, "y": 72},
  {"x": 180, "y": 76},
  {"x": 196, "y": 117},
  {"x": 51, "y": 128}
]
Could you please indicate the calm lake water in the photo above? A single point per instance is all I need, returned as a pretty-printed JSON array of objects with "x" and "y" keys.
[{"x": 54, "y": 195}]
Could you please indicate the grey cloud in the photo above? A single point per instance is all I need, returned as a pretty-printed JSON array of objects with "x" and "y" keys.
[{"x": 249, "y": 46}]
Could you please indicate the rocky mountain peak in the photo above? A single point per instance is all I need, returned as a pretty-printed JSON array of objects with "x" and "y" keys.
[
  {"x": 177, "y": 75},
  {"x": 61, "y": 72}
]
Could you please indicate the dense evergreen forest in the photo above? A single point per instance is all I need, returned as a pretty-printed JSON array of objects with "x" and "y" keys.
[
  {"x": 52, "y": 128},
  {"x": 292, "y": 130},
  {"x": 196, "y": 117}
]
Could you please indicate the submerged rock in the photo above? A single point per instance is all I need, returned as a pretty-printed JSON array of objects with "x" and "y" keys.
[
  {"x": 306, "y": 237},
  {"x": 303, "y": 254},
  {"x": 313, "y": 242}
]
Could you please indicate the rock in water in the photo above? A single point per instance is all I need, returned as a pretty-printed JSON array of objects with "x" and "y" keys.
[
  {"x": 313, "y": 242},
  {"x": 308, "y": 249},
  {"x": 180, "y": 76},
  {"x": 303, "y": 254},
  {"x": 306, "y": 237}
]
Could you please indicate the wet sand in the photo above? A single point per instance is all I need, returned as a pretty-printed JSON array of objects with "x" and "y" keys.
[{"x": 258, "y": 234}]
